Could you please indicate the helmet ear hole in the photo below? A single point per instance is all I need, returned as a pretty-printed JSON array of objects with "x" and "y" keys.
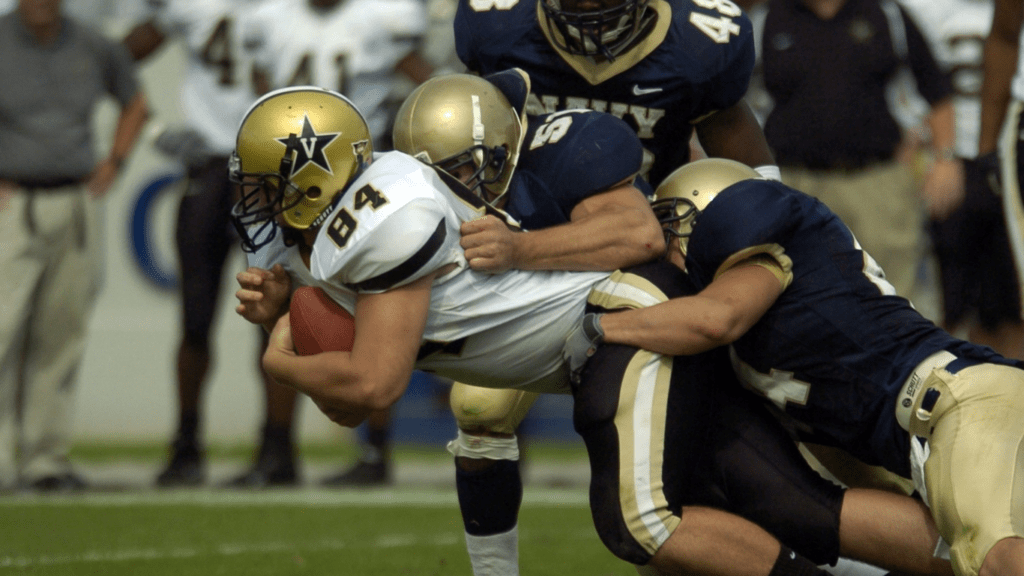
[{"x": 313, "y": 192}]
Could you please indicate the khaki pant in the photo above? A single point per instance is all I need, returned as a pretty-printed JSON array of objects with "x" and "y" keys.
[
  {"x": 882, "y": 206},
  {"x": 975, "y": 472},
  {"x": 46, "y": 290}
]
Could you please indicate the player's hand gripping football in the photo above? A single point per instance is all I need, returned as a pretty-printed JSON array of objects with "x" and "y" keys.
[
  {"x": 287, "y": 367},
  {"x": 489, "y": 244},
  {"x": 582, "y": 343},
  {"x": 263, "y": 295}
]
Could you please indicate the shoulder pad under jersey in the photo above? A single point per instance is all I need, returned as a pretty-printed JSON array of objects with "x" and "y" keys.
[
  {"x": 579, "y": 153},
  {"x": 390, "y": 228}
]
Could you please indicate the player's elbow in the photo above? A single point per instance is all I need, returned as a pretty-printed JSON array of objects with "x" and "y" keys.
[
  {"x": 377, "y": 402},
  {"x": 645, "y": 235},
  {"x": 380, "y": 395},
  {"x": 653, "y": 242},
  {"x": 719, "y": 325}
]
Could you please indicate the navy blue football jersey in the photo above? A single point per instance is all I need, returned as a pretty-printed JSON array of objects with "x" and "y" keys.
[
  {"x": 695, "y": 61},
  {"x": 834, "y": 350},
  {"x": 567, "y": 157}
]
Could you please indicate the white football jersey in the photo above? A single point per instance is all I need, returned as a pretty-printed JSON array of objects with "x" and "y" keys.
[
  {"x": 352, "y": 48},
  {"x": 398, "y": 222},
  {"x": 1017, "y": 87},
  {"x": 217, "y": 86},
  {"x": 956, "y": 31}
]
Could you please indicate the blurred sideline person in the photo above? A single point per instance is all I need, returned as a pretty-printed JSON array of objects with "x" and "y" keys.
[
  {"x": 829, "y": 67},
  {"x": 668, "y": 69},
  {"x": 572, "y": 228},
  {"x": 980, "y": 299},
  {"x": 363, "y": 49},
  {"x": 216, "y": 91},
  {"x": 999, "y": 140},
  {"x": 815, "y": 329},
  {"x": 53, "y": 72},
  {"x": 384, "y": 244}
]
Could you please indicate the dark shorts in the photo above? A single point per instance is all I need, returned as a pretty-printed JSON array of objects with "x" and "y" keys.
[
  {"x": 204, "y": 237},
  {"x": 975, "y": 261},
  {"x": 663, "y": 433}
]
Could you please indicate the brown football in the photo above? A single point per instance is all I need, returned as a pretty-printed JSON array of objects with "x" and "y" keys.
[{"x": 319, "y": 324}]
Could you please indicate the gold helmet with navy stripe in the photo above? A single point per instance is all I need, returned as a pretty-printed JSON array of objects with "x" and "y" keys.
[
  {"x": 298, "y": 149},
  {"x": 688, "y": 190},
  {"x": 464, "y": 122}
]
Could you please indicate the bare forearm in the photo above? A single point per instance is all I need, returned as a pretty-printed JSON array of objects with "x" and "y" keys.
[
  {"x": 717, "y": 316},
  {"x": 999, "y": 65},
  {"x": 334, "y": 379},
  {"x": 734, "y": 133},
  {"x": 604, "y": 241},
  {"x": 942, "y": 122},
  {"x": 675, "y": 328},
  {"x": 129, "y": 126}
]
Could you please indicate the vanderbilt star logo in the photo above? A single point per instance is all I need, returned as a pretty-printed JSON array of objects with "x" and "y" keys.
[{"x": 310, "y": 148}]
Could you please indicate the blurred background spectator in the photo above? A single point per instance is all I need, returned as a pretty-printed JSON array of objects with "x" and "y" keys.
[
  {"x": 999, "y": 141},
  {"x": 981, "y": 298},
  {"x": 53, "y": 73},
  {"x": 216, "y": 92},
  {"x": 830, "y": 69}
]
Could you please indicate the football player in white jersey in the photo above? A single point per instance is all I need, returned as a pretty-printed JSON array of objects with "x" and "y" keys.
[
  {"x": 380, "y": 233},
  {"x": 354, "y": 47},
  {"x": 216, "y": 91},
  {"x": 978, "y": 295},
  {"x": 367, "y": 50},
  {"x": 1002, "y": 103}
]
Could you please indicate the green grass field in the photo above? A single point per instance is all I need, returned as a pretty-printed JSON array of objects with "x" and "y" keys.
[{"x": 407, "y": 529}]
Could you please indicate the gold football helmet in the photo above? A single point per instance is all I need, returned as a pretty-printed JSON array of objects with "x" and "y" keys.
[
  {"x": 596, "y": 28},
  {"x": 298, "y": 149},
  {"x": 688, "y": 190},
  {"x": 459, "y": 120}
]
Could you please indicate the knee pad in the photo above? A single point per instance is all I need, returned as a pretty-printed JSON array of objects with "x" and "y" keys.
[
  {"x": 484, "y": 447},
  {"x": 495, "y": 410}
]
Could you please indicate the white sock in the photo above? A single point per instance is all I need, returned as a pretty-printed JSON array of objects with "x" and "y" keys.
[{"x": 496, "y": 555}]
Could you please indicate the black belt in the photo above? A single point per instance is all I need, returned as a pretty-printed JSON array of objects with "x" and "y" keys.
[{"x": 48, "y": 184}]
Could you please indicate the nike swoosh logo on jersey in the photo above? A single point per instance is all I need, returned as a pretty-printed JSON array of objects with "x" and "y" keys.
[{"x": 638, "y": 91}]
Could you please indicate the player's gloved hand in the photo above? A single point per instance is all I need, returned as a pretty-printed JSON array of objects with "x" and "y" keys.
[
  {"x": 989, "y": 170},
  {"x": 582, "y": 343}
]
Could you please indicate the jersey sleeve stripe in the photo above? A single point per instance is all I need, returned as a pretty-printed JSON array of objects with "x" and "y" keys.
[{"x": 406, "y": 269}]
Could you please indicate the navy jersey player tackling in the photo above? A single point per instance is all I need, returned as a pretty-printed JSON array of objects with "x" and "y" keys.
[
  {"x": 568, "y": 178},
  {"x": 665, "y": 68},
  {"x": 817, "y": 330},
  {"x": 571, "y": 189}
]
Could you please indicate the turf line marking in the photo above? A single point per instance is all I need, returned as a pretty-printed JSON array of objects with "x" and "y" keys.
[
  {"x": 298, "y": 498},
  {"x": 237, "y": 549}
]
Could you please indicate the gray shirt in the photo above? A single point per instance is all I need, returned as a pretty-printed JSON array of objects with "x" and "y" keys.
[{"x": 47, "y": 97}]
